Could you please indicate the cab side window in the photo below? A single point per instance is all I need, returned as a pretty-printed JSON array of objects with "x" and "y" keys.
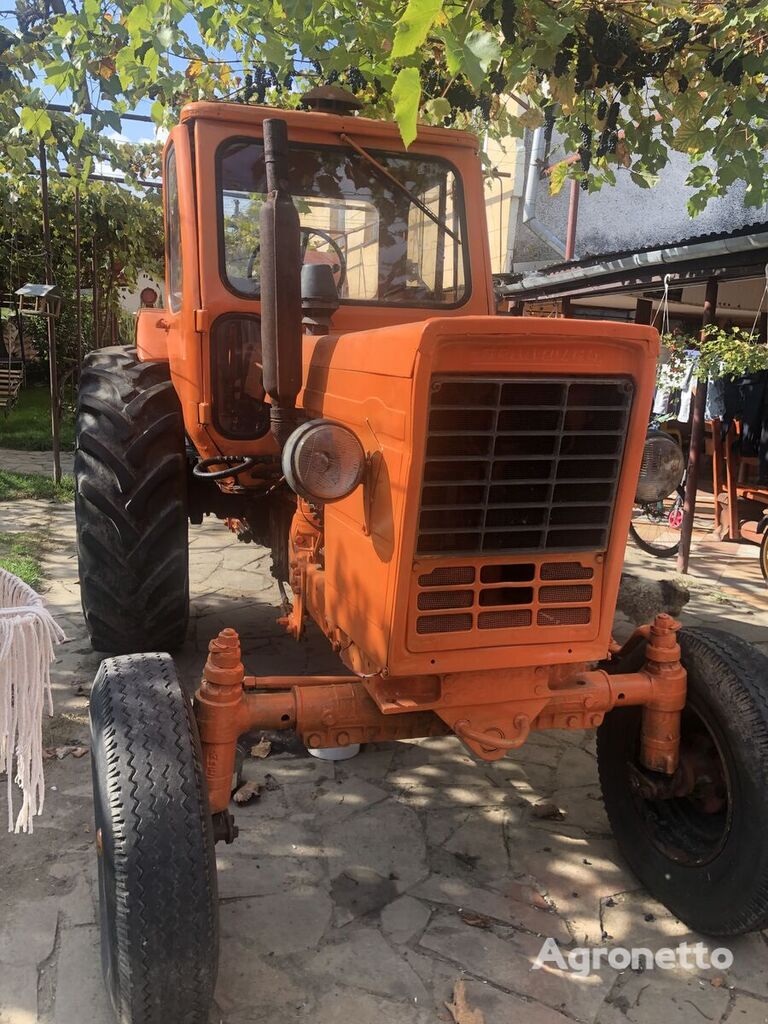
[{"x": 173, "y": 231}]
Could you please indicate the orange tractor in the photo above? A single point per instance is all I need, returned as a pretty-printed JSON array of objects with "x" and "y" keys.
[{"x": 446, "y": 493}]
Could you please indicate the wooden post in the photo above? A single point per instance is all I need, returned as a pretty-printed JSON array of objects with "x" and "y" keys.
[
  {"x": 78, "y": 296},
  {"x": 718, "y": 476},
  {"x": 95, "y": 294},
  {"x": 52, "y": 357},
  {"x": 731, "y": 481},
  {"x": 697, "y": 437},
  {"x": 644, "y": 311}
]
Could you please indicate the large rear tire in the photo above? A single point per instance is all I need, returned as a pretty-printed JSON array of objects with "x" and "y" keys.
[
  {"x": 704, "y": 855},
  {"x": 157, "y": 868},
  {"x": 131, "y": 504}
]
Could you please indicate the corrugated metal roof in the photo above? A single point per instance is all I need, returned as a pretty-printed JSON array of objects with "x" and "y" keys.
[{"x": 606, "y": 257}]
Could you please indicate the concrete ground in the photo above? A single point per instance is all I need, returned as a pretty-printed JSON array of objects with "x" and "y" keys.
[{"x": 408, "y": 885}]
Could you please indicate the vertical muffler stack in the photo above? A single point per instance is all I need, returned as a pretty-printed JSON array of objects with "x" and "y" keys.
[{"x": 281, "y": 330}]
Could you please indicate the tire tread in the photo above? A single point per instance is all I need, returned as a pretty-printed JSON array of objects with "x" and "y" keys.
[{"x": 130, "y": 504}]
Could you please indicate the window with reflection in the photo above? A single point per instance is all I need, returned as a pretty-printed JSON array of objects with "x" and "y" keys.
[
  {"x": 173, "y": 231},
  {"x": 387, "y": 245}
]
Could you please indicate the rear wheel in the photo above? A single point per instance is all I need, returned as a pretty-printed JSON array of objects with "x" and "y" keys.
[
  {"x": 157, "y": 870},
  {"x": 131, "y": 504},
  {"x": 705, "y": 853}
]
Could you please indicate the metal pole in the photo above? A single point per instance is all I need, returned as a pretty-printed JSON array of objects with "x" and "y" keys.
[
  {"x": 52, "y": 357},
  {"x": 573, "y": 216},
  {"x": 78, "y": 296},
  {"x": 697, "y": 436}
]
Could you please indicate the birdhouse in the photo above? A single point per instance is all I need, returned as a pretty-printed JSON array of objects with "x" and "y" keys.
[{"x": 39, "y": 300}]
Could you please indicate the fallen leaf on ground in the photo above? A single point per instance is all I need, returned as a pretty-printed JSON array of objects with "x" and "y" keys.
[
  {"x": 527, "y": 894},
  {"x": 717, "y": 982},
  {"x": 461, "y": 1012},
  {"x": 262, "y": 748},
  {"x": 247, "y": 792},
  {"x": 64, "y": 751},
  {"x": 475, "y": 920},
  {"x": 548, "y": 811}
]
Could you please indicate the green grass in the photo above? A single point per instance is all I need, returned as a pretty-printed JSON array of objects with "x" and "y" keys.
[
  {"x": 14, "y": 486},
  {"x": 27, "y": 426},
  {"x": 20, "y": 553}
]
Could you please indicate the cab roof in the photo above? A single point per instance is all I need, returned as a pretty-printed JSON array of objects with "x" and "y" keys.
[{"x": 247, "y": 115}]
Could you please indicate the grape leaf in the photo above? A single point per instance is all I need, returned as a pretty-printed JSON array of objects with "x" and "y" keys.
[
  {"x": 406, "y": 94},
  {"x": 413, "y": 27}
]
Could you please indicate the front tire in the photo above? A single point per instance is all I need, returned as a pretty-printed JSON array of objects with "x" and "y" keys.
[
  {"x": 705, "y": 855},
  {"x": 157, "y": 868},
  {"x": 131, "y": 504}
]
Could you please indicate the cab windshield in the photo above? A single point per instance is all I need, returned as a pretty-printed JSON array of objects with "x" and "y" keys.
[{"x": 383, "y": 248}]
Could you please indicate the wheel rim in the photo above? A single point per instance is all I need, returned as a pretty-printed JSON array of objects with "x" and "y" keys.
[
  {"x": 658, "y": 525},
  {"x": 692, "y": 828}
]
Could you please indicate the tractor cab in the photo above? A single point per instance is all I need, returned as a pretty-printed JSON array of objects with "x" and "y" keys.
[{"x": 403, "y": 234}]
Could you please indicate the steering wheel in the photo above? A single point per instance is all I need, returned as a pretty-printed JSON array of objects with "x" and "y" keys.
[
  {"x": 393, "y": 289},
  {"x": 306, "y": 233}
]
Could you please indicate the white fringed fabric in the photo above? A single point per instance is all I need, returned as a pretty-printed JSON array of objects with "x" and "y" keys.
[{"x": 28, "y": 634}]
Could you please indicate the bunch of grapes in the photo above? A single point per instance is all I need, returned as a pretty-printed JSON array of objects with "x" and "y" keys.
[
  {"x": 256, "y": 85},
  {"x": 460, "y": 96},
  {"x": 585, "y": 149},
  {"x": 549, "y": 122},
  {"x": 609, "y": 140},
  {"x": 680, "y": 31},
  {"x": 433, "y": 78},
  {"x": 488, "y": 13},
  {"x": 509, "y": 20},
  {"x": 356, "y": 80},
  {"x": 734, "y": 73},
  {"x": 583, "y": 64},
  {"x": 564, "y": 56},
  {"x": 497, "y": 81}
]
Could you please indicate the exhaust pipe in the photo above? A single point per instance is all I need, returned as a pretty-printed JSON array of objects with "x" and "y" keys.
[{"x": 281, "y": 330}]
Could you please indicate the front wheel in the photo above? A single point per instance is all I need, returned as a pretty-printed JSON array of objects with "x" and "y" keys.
[
  {"x": 655, "y": 527},
  {"x": 704, "y": 855},
  {"x": 157, "y": 869}
]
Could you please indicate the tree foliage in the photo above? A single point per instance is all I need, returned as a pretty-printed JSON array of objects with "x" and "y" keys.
[
  {"x": 121, "y": 235},
  {"x": 723, "y": 352},
  {"x": 624, "y": 82}
]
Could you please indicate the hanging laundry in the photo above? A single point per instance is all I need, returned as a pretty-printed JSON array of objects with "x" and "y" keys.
[{"x": 675, "y": 389}]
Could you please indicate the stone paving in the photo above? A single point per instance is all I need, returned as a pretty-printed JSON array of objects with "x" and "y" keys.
[{"x": 409, "y": 885}]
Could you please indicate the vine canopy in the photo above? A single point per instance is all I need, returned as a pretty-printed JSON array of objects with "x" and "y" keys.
[{"x": 625, "y": 83}]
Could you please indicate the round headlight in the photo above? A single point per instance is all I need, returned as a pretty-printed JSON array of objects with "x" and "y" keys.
[
  {"x": 323, "y": 461},
  {"x": 662, "y": 468}
]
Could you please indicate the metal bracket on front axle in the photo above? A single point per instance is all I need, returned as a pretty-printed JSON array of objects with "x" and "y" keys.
[{"x": 491, "y": 714}]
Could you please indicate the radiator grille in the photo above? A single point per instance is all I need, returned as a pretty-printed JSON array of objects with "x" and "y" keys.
[
  {"x": 521, "y": 464},
  {"x": 504, "y": 596}
]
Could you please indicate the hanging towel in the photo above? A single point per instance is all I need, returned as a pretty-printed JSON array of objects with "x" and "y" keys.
[{"x": 28, "y": 634}]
